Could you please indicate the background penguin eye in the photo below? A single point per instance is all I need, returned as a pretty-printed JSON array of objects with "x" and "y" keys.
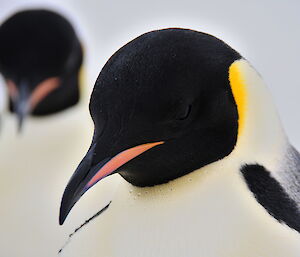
[{"x": 184, "y": 113}]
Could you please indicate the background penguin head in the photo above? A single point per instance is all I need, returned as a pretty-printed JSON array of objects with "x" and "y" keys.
[
  {"x": 40, "y": 57},
  {"x": 162, "y": 107}
]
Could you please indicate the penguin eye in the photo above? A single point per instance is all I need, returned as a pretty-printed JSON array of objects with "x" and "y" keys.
[{"x": 184, "y": 113}]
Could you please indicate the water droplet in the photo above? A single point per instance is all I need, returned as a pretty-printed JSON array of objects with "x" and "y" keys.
[
  {"x": 171, "y": 189},
  {"x": 190, "y": 179},
  {"x": 130, "y": 191}
]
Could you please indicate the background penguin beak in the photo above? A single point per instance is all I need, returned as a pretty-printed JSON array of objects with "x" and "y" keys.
[
  {"x": 24, "y": 100},
  {"x": 86, "y": 176},
  {"x": 20, "y": 99},
  {"x": 22, "y": 112}
]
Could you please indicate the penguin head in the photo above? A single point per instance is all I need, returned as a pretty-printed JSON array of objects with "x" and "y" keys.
[
  {"x": 40, "y": 56},
  {"x": 162, "y": 107}
]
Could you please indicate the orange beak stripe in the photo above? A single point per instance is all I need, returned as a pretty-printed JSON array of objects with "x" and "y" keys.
[
  {"x": 42, "y": 90},
  {"x": 12, "y": 89},
  {"x": 120, "y": 160},
  {"x": 39, "y": 93}
]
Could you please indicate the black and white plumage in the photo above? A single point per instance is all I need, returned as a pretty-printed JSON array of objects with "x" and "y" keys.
[
  {"x": 40, "y": 60},
  {"x": 208, "y": 171},
  {"x": 36, "y": 163}
]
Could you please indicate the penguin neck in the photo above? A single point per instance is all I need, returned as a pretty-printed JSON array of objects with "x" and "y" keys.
[{"x": 261, "y": 138}]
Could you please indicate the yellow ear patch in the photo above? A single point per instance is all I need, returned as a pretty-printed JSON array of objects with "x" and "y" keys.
[
  {"x": 82, "y": 78},
  {"x": 238, "y": 87}
]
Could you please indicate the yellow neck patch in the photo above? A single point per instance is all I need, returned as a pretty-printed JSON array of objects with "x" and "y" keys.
[
  {"x": 238, "y": 87},
  {"x": 82, "y": 80}
]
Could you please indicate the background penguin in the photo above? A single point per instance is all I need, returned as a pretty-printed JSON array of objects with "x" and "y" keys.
[
  {"x": 41, "y": 72},
  {"x": 40, "y": 60},
  {"x": 207, "y": 169}
]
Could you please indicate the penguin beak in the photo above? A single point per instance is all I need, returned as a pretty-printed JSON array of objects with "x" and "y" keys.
[
  {"x": 86, "y": 176},
  {"x": 22, "y": 110},
  {"x": 25, "y": 101},
  {"x": 20, "y": 100}
]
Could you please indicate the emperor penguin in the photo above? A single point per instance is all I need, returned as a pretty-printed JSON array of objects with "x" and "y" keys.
[
  {"x": 207, "y": 170},
  {"x": 41, "y": 61}
]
